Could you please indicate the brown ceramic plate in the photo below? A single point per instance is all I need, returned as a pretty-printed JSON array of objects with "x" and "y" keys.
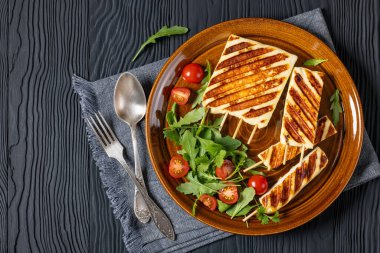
[{"x": 342, "y": 149}]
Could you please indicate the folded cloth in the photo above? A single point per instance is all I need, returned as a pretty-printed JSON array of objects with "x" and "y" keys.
[{"x": 190, "y": 233}]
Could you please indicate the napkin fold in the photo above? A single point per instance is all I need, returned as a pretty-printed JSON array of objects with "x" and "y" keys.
[{"x": 190, "y": 233}]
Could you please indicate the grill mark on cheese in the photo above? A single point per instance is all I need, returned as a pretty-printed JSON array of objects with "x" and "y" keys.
[
  {"x": 248, "y": 80},
  {"x": 285, "y": 190},
  {"x": 312, "y": 165},
  {"x": 246, "y": 68},
  {"x": 237, "y": 47},
  {"x": 258, "y": 76},
  {"x": 301, "y": 108},
  {"x": 274, "y": 155},
  {"x": 256, "y": 113},
  {"x": 297, "y": 179},
  {"x": 314, "y": 82},
  {"x": 300, "y": 121},
  {"x": 294, "y": 181},
  {"x": 306, "y": 91},
  {"x": 274, "y": 198},
  {"x": 241, "y": 94},
  {"x": 323, "y": 161},
  {"x": 292, "y": 128},
  {"x": 250, "y": 103},
  {"x": 320, "y": 129},
  {"x": 306, "y": 107},
  {"x": 240, "y": 59}
]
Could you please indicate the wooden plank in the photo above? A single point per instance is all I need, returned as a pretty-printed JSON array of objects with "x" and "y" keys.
[
  {"x": 48, "y": 155},
  {"x": 55, "y": 198},
  {"x": 3, "y": 124},
  {"x": 117, "y": 28}
]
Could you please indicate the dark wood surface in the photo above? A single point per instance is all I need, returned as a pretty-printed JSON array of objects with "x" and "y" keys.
[{"x": 51, "y": 197}]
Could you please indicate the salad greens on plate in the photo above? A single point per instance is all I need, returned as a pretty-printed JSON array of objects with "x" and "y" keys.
[{"x": 211, "y": 164}]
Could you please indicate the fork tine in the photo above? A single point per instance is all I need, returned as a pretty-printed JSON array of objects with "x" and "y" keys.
[
  {"x": 104, "y": 128},
  {"x": 97, "y": 135},
  {"x": 108, "y": 127},
  {"x": 98, "y": 128}
]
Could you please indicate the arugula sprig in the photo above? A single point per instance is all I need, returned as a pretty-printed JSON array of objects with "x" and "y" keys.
[
  {"x": 314, "y": 62},
  {"x": 265, "y": 218},
  {"x": 204, "y": 83},
  {"x": 335, "y": 107},
  {"x": 163, "y": 32},
  {"x": 204, "y": 147},
  {"x": 242, "y": 207}
]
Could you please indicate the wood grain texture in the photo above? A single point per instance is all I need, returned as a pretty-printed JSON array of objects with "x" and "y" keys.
[
  {"x": 55, "y": 200},
  {"x": 3, "y": 123},
  {"x": 138, "y": 19},
  {"x": 48, "y": 155}
]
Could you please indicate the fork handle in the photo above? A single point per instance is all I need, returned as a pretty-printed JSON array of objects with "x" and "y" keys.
[{"x": 159, "y": 217}]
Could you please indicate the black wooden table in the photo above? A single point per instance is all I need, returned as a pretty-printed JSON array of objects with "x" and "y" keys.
[{"x": 51, "y": 197}]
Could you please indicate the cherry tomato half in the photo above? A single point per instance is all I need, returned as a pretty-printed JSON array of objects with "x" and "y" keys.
[
  {"x": 208, "y": 201},
  {"x": 259, "y": 183},
  {"x": 229, "y": 194},
  {"x": 225, "y": 170},
  {"x": 178, "y": 167},
  {"x": 180, "y": 95},
  {"x": 193, "y": 73}
]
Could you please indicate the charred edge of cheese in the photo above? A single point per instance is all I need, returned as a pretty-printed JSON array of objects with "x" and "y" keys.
[
  {"x": 242, "y": 46},
  {"x": 288, "y": 186},
  {"x": 293, "y": 131},
  {"x": 273, "y": 156}
]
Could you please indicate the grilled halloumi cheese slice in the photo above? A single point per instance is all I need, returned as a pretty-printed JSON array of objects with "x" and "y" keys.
[
  {"x": 273, "y": 156},
  {"x": 288, "y": 186},
  {"x": 248, "y": 80},
  {"x": 299, "y": 122}
]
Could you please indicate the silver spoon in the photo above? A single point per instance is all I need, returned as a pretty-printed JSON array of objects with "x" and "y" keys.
[{"x": 130, "y": 107}]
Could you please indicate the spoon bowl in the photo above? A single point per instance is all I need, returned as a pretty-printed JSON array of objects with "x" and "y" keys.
[{"x": 129, "y": 99}]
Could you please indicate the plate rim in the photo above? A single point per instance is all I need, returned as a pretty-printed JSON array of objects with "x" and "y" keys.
[{"x": 356, "y": 104}]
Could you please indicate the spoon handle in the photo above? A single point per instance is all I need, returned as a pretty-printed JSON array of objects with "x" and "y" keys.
[
  {"x": 140, "y": 207},
  {"x": 159, "y": 217}
]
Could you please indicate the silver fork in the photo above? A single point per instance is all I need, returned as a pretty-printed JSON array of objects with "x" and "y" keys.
[{"x": 114, "y": 149}]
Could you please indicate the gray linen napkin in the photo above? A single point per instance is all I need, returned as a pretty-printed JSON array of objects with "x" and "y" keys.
[{"x": 190, "y": 233}]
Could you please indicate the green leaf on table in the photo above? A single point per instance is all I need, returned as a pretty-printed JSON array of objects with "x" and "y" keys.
[
  {"x": 163, "y": 32},
  {"x": 246, "y": 196},
  {"x": 222, "y": 207},
  {"x": 191, "y": 117},
  {"x": 314, "y": 62},
  {"x": 335, "y": 107},
  {"x": 188, "y": 143}
]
